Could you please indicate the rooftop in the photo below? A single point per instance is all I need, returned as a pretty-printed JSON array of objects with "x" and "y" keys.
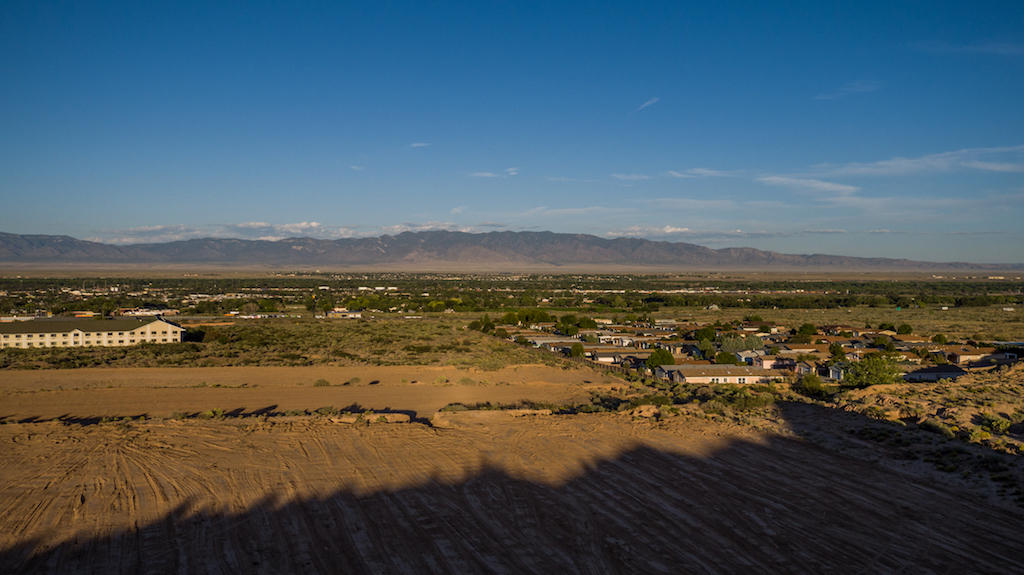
[{"x": 67, "y": 325}]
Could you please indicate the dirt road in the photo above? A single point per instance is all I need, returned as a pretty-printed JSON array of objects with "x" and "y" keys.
[
  {"x": 481, "y": 492},
  {"x": 162, "y": 392}
]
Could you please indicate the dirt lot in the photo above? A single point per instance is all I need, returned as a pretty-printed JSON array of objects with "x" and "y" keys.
[
  {"x": 163, "y": 392},
  {"x": 477, "y": 492}
]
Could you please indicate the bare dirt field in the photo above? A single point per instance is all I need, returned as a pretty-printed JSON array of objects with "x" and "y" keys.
[
  {"x": 163, "y": 392},
  {"x": 479, "y": 492}
]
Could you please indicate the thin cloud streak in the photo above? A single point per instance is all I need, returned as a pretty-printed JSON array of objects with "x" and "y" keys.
[
  {"x": 698, "y": 173},
  {"x": 849, "y": 89},
  {"x": 564, "y": 180},
  {"x": 647, "y": 104},
  {"x": 689, "y": 204},
  {"x": 506, "y": 173},
  {"x": 544, "y": 211},
  {"x": 807, "y": 184},
  {"x": 984, "y": 48},
  {"x": 967, "y": 158}
]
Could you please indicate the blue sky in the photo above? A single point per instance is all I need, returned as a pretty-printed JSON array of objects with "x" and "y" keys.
[{"x": 875, "y": 129}]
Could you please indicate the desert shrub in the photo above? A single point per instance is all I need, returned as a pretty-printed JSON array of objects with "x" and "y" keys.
[
  {"x": 874, "y": 412},
  {"x": 607, "y": 402},
  {"x": 419, "y": 348},
  {"x": 731, "y": 397},
  {"x": 934, "y": 426},
  {"x": 651, "y": 399},
  {"x": 978, "y": 434},
  {"x": 321, "y": 383},
  {"x": 994, "y": 423}
]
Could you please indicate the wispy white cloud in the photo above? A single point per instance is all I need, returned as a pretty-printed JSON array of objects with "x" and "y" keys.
[
  {"x": 419, "y": 145},
  {"x": 689, "y": 204},
  {"x": 421, "y": 227},
  {"x": 983, "y": 48},
  {"x": 243, "y": 230},
  {"x": 647, "y": 104},
  {"x": 647, "y": 231},
  {"x": 698, "y": 173},
  {"x": 299, "y": 227},
  {"x": 682, "y": 233},
  {"x": 356, "y": 168},
  {"x": 807, "y": 184},
  {"x": 563, "y": 179},
  {"x": 677, "y": 174},
  {"x": 983, "y": 159},
  {"x": 544, "y": 211},
  {"x": 849, "y": 89},
  {"x": 506, "y": 173},
  {"x": 631, "y": 177},
  {"x": 994, "y": 166},
  {"x": 457, "y": 210}
]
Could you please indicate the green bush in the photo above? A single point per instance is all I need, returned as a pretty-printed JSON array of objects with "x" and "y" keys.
[
  {"x": 652, "y": 399},
  {"x": 321, "y": 383},
  {"x": 994, "y": 423},
  {"x": 935, "y": 426}
]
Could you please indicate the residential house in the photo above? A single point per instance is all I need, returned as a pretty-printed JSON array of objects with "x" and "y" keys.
[
  {"x": 935, "y": 373},
  {"x": 775, "y": 362},
  {"x": 702, "y": 374}
]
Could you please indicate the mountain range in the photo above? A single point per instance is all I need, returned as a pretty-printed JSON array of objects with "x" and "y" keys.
[{"x": 441, "y": 250}]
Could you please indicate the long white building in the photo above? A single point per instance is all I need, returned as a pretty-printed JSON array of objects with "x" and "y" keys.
[{"x": 89, "y": 332}]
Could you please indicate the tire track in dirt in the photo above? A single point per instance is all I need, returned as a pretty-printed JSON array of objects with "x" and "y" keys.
[{"x": 490, "y": 493}]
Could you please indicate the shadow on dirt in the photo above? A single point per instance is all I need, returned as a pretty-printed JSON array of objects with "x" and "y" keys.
[{"x": 770, "y": 505}]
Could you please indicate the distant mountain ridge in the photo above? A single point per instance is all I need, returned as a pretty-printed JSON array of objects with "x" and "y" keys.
[{"x": 440, "y": 249}]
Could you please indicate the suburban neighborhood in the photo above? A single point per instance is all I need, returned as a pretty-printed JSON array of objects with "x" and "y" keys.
[{"x": 756, "y": 351}]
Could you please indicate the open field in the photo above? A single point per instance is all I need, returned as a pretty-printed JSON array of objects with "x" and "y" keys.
[
  {"x": 480, "y": 492},
  {"x": 163, "y": 392},
  {"x": 990, "y": 322},
  {"x": 288, "y": 342}
]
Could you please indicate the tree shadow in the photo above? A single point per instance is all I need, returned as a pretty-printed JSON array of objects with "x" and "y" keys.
[{"x": 771, "y": 504}]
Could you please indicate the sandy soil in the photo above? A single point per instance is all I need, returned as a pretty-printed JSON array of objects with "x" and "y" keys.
[
  {"x": 478, "y": 492},
  {"x": 162, "y": 392}
]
